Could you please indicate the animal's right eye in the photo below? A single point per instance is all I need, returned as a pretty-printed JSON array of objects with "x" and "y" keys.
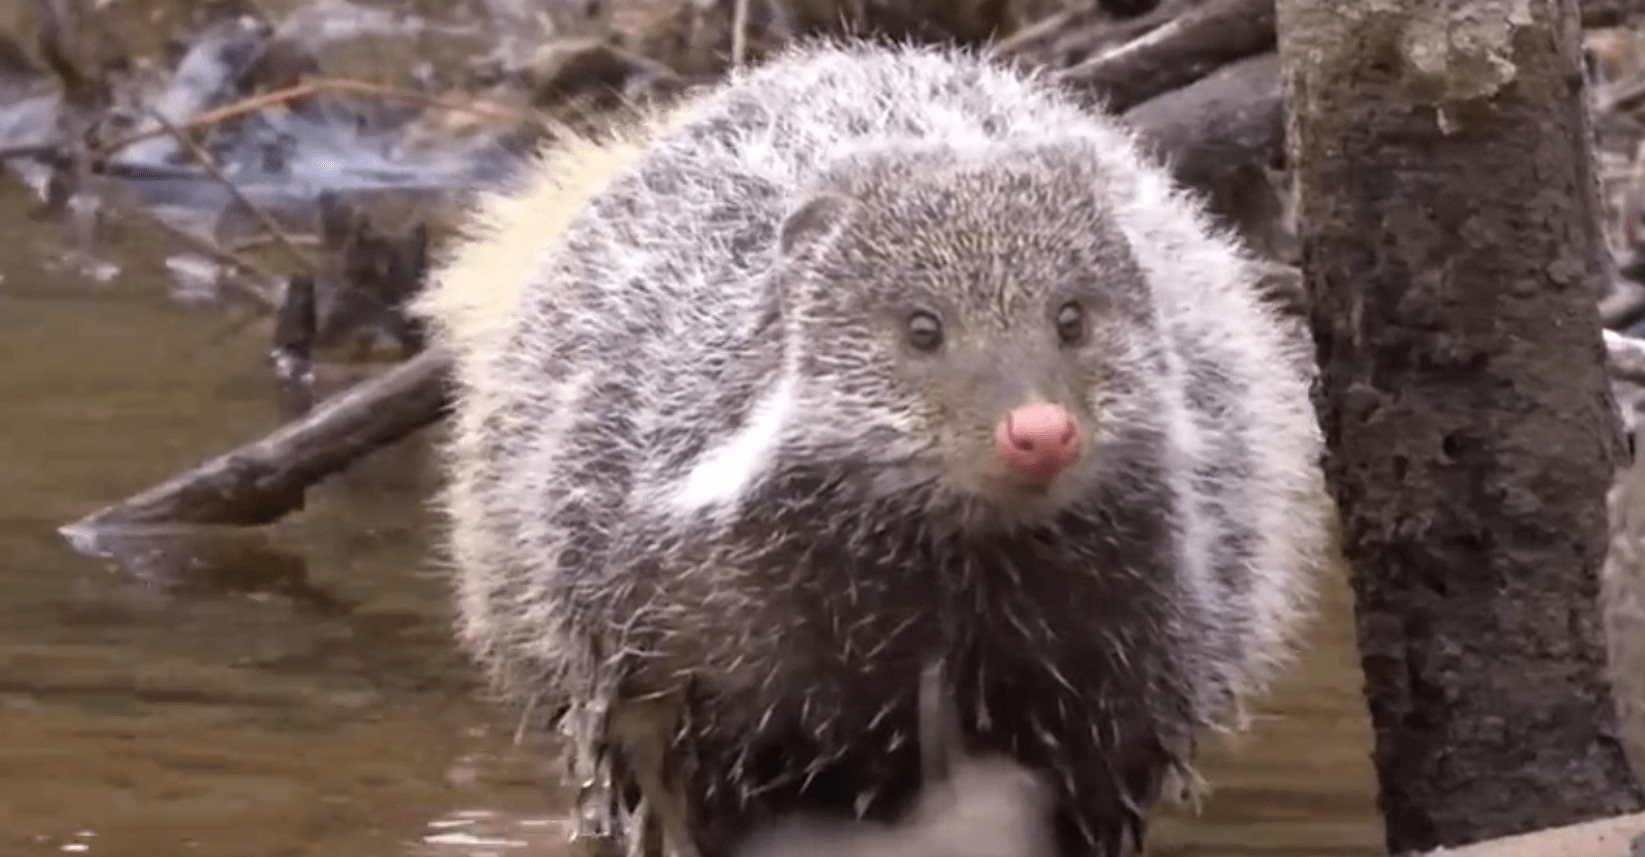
[{"x": 924, "y": 331}]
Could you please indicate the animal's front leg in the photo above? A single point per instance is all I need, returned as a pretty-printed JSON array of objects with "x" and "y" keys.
[{"x": 642, "y": 730}]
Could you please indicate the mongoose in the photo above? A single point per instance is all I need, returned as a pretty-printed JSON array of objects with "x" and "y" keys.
[{"x": 863, "y": 357}]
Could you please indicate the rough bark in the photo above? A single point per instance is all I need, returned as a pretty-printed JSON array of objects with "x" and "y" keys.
[{"x": 1452, "y": 249}]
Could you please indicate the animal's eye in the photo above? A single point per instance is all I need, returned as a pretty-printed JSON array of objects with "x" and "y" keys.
[
  {"x": 1071, "y": 323},
  {"x": 924, "y": 331}
]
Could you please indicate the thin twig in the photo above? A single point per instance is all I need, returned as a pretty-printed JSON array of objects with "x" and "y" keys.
[
  {"x": 266, "y": 298},
  {"x": 204, "y": 157},
  {"x": 1020, "y": 40},
  {"x": 258, "y": 241},
  {"x": 739, "y": 33},
  {"x": 306, "y": 89}
]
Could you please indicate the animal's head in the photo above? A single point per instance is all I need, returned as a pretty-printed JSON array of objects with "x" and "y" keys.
[{"x": 971, "y": 323}]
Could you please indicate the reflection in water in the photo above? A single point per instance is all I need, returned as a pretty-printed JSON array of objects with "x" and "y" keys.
[
  {"x": 295, "y": 691},
  {"x": 464, "y": 831}
]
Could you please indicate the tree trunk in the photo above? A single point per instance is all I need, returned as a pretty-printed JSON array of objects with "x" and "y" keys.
[
  {"x": 1450, "y": 236},
  {"x": 1623, "y": 596}
]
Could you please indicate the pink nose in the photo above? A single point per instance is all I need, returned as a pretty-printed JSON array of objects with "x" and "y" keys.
[{"x": 1037, "y": 441}]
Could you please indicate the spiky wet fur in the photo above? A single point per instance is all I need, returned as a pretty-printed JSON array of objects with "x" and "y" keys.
[{"x": 688, "y": 452}]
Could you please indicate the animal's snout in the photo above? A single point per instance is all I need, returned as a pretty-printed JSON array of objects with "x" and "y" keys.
[{"x": 1037, "y": 441}]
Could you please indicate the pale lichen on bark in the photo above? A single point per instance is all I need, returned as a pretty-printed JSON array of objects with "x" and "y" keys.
[
  {"x": 1449, "y": 52},
  {"x": 1463, "y": 49},
  {"x": 1457, "y": 51}
]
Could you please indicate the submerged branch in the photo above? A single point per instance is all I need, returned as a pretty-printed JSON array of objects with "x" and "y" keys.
[{"x": 267, "y": 478}]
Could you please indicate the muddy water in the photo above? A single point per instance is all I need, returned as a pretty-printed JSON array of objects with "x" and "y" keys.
[{"x": 297, "y": 693}]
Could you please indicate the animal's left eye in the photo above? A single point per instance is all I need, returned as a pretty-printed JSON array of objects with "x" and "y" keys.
[
  {"x": 1071, "y": 323},
  {"x": 924, "y": 331}
]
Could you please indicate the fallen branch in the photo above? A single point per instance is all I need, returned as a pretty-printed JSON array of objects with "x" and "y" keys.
[
  {"x": 1080, "y": 32},
  {"x": 1627, "y": 357},
  {"x": 1220, "y": 135},
  {"x": 266, "y": 479},
  {"x": 1220, "y": 124},
  {"x": 1178, "y": 53},
  {"x": 1609, "y": 13}
]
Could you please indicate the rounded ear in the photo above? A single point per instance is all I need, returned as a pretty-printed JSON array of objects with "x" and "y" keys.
[{"x": 818, "y": 218}]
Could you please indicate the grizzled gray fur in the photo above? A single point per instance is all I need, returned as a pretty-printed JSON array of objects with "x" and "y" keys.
[{"x": 866, "y": 357}]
